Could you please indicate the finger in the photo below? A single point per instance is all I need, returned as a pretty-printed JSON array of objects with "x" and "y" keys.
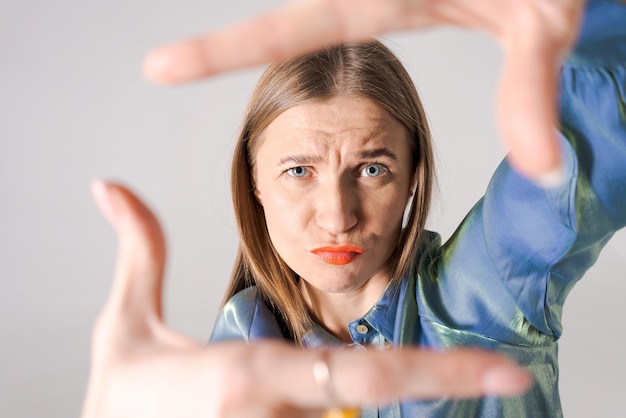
[
  {"x": 367, "y": 378},
  {"x": 536, "y": 41},
  {"x": 424, "y": 374},
  {"x": 138, "y": 275},
  {"x": 527, "y": 113},
  {"x": 291, "y": 30}
]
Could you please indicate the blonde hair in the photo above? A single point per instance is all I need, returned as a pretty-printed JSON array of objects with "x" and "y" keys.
[{"x": 365, "y": 70}]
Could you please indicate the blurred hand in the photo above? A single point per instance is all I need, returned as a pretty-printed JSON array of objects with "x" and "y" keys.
[
  {"x": 141, "y": 368},
  {"x": 534, "y": 34}
]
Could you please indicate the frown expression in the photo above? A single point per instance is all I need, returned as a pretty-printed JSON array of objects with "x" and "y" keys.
[{"x": 334, "y": 178}]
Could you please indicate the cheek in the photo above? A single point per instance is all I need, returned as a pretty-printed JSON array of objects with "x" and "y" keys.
[
  {"x": 385, "y": 212},
  {"x": 285, "y": 216}
]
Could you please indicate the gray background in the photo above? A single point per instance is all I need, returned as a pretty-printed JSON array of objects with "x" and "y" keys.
[{"x": 74, "y": 106}]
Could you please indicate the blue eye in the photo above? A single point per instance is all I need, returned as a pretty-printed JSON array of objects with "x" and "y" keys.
[
  {"x": 372, "y": 170},
  {"x": 299, "y": 171}
]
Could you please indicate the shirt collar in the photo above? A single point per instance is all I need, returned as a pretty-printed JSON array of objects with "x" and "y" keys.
[{"x": 381, "y": 316}]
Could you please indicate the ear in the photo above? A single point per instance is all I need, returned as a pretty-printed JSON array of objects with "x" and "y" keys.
[
  {"x": 257, "y": 194},
  {"x": 255, "y": 188}
]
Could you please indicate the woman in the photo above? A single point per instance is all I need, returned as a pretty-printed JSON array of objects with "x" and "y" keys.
[
  {"x": 142, "y": 368},
  {"x": 380, "y": 126},
  {"x": 333, "y": 147}
]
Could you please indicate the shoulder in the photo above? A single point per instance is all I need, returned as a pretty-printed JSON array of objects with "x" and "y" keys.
[
  {"x": 235, "y": 319},
  {"x": 243, "y": 299},
  {"x": 428, "y": 248},
  {"x": 245, "y": 316}
]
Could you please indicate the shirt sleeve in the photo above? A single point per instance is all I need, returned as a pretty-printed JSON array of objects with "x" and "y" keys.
[{"x": 538, "y": 242}]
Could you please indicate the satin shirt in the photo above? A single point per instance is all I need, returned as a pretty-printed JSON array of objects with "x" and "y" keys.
[{"x": 501, "y": 280}]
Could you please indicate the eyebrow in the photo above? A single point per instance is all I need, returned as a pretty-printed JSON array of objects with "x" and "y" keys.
[
  {"x": 379, "y": 152},
  {"x": 302, "y": 159},
  {"x": 306, "y": 159}
]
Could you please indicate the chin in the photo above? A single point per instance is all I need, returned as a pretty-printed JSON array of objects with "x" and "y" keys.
[{"x": 339, "y": 283}]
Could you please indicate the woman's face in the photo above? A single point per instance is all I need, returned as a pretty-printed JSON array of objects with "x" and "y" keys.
[{"x": 334, "y": 178}]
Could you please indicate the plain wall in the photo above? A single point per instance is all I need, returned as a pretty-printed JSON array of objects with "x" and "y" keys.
[{"x": 74, "y": 106}]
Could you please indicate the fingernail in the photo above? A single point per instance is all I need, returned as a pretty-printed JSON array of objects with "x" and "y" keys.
[
  {"x": 552, "y": 179},
  {"x": 507, "y": 381},
  {"x": 100, "y": 192},
  {"x": 156, "y": 67}
]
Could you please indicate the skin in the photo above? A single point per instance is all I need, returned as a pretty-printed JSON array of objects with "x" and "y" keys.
[{"x": 319, "y": 189}]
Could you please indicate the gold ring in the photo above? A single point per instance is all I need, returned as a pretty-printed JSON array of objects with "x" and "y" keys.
[
  {"x": 342, "y": 413},
  {"x": 321, "y": 373}
]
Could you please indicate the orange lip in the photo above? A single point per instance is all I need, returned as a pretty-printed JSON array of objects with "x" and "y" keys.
[{"x": 339, "y": 255}]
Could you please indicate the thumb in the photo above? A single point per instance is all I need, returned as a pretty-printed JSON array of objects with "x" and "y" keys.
[{"x": 138, "y": 278}]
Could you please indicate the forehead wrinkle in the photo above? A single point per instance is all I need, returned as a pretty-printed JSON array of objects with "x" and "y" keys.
[
  {"x": 309, "y": 148},
  {"x": 334, "y": 151},
  {"x": 320, "y": 124},
  {"x": 332, "y": 136}
]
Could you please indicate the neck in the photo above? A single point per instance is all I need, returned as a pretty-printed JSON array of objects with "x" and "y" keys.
[{"x": 335, "y": 310}]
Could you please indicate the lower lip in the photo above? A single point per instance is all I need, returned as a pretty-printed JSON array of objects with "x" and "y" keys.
[{"x": 337, "y": 258}]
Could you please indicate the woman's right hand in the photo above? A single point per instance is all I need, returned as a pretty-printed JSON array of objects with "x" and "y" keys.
[{"x": 141, "y": 368}]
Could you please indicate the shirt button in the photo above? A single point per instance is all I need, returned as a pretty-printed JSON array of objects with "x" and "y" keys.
[{"x": 362, "y": 329}]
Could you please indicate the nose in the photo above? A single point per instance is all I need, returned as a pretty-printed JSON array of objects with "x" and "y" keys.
[{"x": 336, "y": 204}]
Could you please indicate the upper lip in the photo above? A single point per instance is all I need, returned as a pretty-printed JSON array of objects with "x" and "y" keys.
[{"x": 338, "y": 249}]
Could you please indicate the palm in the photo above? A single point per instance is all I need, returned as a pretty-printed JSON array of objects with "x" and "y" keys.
[{"x": 139, "y": 365}]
